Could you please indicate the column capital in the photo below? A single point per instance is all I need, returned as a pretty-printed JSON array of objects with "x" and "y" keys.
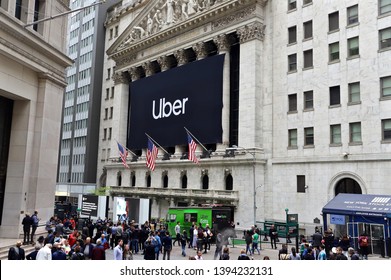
[
  {"x": 135, "y": 73},
  {"x": 121, "y": 78},
  {"x": 200, "y": 50},
  {"x": 223, "y": 42},
  {"x": 149, "y": 68},
  {"x": 165, "y": 62},
  {"x": 181, "y": 56},
  {"x": 252, "y": 31}
]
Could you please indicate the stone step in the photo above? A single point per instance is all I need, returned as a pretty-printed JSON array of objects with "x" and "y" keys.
[{"x": 4, "y": 250}]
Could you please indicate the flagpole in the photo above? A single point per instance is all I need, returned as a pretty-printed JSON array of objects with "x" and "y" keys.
[
  {"x": 127, "y": 149},
  {"x": 157, "y": 144},
  {"x": 198, "y": 141}
]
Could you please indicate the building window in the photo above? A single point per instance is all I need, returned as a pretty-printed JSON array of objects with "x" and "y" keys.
[
  {"x": 308, "y": 100},
  {"x": 148, "y": 180},
  {"x": 353, "y": 47},
  {"x": 307, "y": 26},
  {"x": 104, "y": 134},
  {"x": 385, "y": 38},
  {"x": 229, "y": 186},
  {"x": 354, "y": 92},
  {"x": 133, "y": 180},
  {"x": 333, "y": 22},
  {"x": 292, "y": 138},
  {"x": 385, "y": 84},
  {"x": 106, "y": 113},
  {"x": 116, "y": 31},
  {"x": 112, "y": 92},
  {"x": 165, "y": 181},
  {"x": 107, "y": 93},
  {"x": 300, "y": 183},
  {"x": 184, "y": 181},
  {"x": 205, "y": 182},
  {"x": 111, "y": 112},
  {"x": 334, "y": 52},
  {"x": 335, "y": 96},
  {"x": 291, "y": 5},
  {"x": 386, "y": 125},
  {"x": 384, "y": 6},
  {"x": 308, "y": 136},
  {"x": 292, "y": 102},
  {"x": 335, "y": 134},
  {"x": 355, "y": 132},
  {"x": 292, "y": 32},
  {"x": 306, "y": 2},
  {"x": 352, "y": 14},
  {"x": 292, "y": 62},
  {"x": 308, "y": 61},
  {"x": 110, "y": 130},
  {"x": 111, "y": 34},
  {"x": 108, "y": 73}
]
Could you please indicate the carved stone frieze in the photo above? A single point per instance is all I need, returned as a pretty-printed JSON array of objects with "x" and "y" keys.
[
  {"x": 252, "y": 31},
  {"x": 126, "y": 60},
  {"x": 233, "y": 18}
]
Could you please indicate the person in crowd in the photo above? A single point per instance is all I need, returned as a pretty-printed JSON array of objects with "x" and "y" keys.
[
  {"x": 191, "y": 234},
  {"x": 344, "y": 243},
  {"x": 340, "y": 255},
  {"x": 266, "y": 258},
  {"x": 127, "y": 254},
  {"x": 184, "y": 242},
  {"x": 77, "y": 255},
  {"x": 199, "y": 257},
  {"x": 243, "y": 255},
  {"x": 294, "y": 255},
  {"x": 322, "y": 254},
  {"x": 58, "y": 252},
  {"x": 149, "y": 253},
  {"x": 249, "y": 241},
  {"x": 98, "y": 252},
  {"x": 177, "y": 234},
  {"x": 45, "y": 253},
  {"x": 16, "y": 252},
  {"x": 283, "y": 253},
  {"x": 352, "y": 255},
  {"x": 273, "y": 236},
  {"x": 33, "y": 255},
  {"x": 363, "y": 242},
  {"x": 328, "y": 241},
  {"x": 219, "y": 245},
  {"x": 255, "y": 239},
  {"x": 309, "y": 256},
  {"x": 225, "y": 255},
  {"x": 167, "y": 245},
  {"x": 317, "y": 238},
  {"x": 88, "y": 247},
  {"x": 34, "y": 225},
  {"x": 118, "y": 252},
  {"x": 27, "y": 223}
]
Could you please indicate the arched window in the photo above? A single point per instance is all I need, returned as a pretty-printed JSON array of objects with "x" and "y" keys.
[
  {"x": 348, "y": 185},
  {"x": 205, "y": 182},
  {"x": 229, "y": 182},
  {"x": 184, "y": 182}
]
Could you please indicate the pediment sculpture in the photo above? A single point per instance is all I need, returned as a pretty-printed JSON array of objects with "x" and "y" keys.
[{"x": 166, "y": 13}]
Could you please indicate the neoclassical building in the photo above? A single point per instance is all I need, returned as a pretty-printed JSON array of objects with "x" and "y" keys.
[
  {"x": 305, "y": 113},
  {"x": 32, "y": 82}
]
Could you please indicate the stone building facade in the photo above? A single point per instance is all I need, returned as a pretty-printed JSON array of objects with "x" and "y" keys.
[
  {"x": 32, "y": 81},
  {"x": 305, "y": 103}
]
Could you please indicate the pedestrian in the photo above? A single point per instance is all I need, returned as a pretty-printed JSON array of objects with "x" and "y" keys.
[
  {"x": 249, "y": 241},
  {"x": 322, "y": 254},
  {"x": 167, "y": 245},
  {"x": 33, "y": 255},
  {"x": 45, "y": 253},
  {"x": 16, "y": 252},
  {"x": 243, "y": 255},
  {"x": 363, "y": 242},
  {"x": 127, "y": 255},
  {"x": 98, "y": 252},
  {"x": 283, "y": 253},
  {"x": 219, "y": 245},
  {"x": 198, "y": 257},
  {"x": 340, "y": 255},
  {"x": 149, "y": 252},
  {"x": 293, "y": 255},
  {"x": 352, "y": 254},
  {"x": 225, "y": 255},
  {"x": 191, "y": 234},
  {"x": 317, "y": 238},
  {"x": 273, "y": 236},
  {"x": 27, "y": 223},
  {"x": 184, "y": 242},
  {"x": 255, "y": 238},
  {"x": 177, "y": 234},
  {"x": 118, "y": 252},
  {"x": 35, "y": 222}
]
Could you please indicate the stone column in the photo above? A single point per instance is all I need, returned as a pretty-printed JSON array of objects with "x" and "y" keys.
[
  {"x": 250, "y": 99},
  {"x": 182, "y": 59},
  {"x": 121, "y": 100},
  {"x": 223, "y": 43},
  {"x": 135, "y": 74}
]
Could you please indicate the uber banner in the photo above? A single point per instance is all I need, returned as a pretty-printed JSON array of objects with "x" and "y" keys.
[{"x": 187, "y": 96}]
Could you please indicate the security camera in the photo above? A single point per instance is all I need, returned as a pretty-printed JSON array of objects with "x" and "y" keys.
[{"x": 345, "y": 154}]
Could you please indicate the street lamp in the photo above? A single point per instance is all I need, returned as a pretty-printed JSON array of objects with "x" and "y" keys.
[
  {"x": 231, "y": 152},
  {"x": 286, "y": 227}
]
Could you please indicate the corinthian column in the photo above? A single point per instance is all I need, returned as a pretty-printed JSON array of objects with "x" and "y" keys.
[{"x": 223, "y": 43}]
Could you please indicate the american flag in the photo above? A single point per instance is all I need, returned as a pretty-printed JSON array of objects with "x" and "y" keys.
[
  {"x": 192, "y": 149},
  {"x": 123, "y": 153},
  {"x": 151, "y": 155}
]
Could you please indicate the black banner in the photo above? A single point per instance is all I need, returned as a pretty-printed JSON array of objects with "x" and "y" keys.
[
  {"x": 187, "y": 96},
  {"x": 89, "y": 205}
]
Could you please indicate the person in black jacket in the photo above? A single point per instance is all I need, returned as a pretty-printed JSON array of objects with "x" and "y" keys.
[
  {"x": 27, "y": 223},
  {"x": 33, "y": 255},
  {"x": 17, "y": 252},
  {"x": 243, "y": 255}
]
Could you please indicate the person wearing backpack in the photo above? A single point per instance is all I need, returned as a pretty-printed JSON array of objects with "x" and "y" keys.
[{"x": 363, "y": 242}]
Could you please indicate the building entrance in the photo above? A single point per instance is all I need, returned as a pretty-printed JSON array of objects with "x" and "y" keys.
[{"x": 6, "y": 107}]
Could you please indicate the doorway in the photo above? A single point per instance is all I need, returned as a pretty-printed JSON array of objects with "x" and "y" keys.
[{"x": 375, "y": 232}]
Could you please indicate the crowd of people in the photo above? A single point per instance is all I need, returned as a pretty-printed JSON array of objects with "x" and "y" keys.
[{"x": 66, "y": 239}]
